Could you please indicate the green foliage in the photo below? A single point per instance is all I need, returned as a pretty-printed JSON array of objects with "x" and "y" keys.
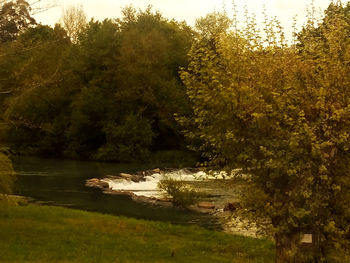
[
  {"x": 184, "y": 158},
  {"x": 152, "y": 50},
  {"x": 6, "y": 174},
  {"x": 88, "y": 99},
  {"x": 7, "y": 178},
  {"x": 38, "y": 95},
  {"x": 15, "y": 17},
  {"x": 282, "y": 114},
  {"x": 180, "y": 193},
  {"x": 127, "y": 141},
  {"x": 211, "y": 26},
  {"x": 88, "y": 111}
]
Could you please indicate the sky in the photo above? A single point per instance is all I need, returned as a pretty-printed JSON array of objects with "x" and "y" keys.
[{"x": 189, "y": 10}]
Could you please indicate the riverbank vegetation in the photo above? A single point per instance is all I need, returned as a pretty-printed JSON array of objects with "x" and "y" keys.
[
  {"x": 180, "y": 194},
  {"x": 7, "y": 177},
  {"x": 107, "y": 90},
  {"x": 280, "y": 113},
  {"x": 53, "y": 234},
  {"x": 245, "y": 99}
]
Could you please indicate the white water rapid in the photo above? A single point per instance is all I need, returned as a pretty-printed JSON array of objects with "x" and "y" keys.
[{"x": 149, "y": 187}]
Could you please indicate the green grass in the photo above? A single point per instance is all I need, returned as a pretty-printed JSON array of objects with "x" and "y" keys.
[{"x": 54, "y": 234}]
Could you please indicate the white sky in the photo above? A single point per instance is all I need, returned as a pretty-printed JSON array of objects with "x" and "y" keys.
[{"x": 188, "y": 10}]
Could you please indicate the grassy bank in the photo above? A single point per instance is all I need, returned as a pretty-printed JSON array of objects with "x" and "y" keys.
[{"x": 53, "y": 234}]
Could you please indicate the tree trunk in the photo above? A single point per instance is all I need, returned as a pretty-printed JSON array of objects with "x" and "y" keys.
[{"x": 287, "y": 247}]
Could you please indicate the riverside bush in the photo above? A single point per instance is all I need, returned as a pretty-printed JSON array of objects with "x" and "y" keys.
[
  {"x": 6, "y": 174},
  {"x": 181, "y": 194},
  {"x": 6, "y": 179}
]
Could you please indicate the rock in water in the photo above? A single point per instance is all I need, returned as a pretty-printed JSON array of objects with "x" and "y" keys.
[
  {"x": 126, "y": 176},
  {"x": 103, "y": 185},
  {"x": 94, "y": 182},
  {"x": 206, "y": 205},
  {"x": 157, "y": 170}
]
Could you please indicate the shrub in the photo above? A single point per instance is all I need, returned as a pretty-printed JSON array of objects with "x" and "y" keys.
[
  {"x": 182, "y": 195},
  {"x": 6, "y": 174},
  {"x": 7, "y": 177}
]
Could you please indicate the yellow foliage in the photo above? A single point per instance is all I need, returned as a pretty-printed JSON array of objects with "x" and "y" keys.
[{"x": 287, "y": 111}]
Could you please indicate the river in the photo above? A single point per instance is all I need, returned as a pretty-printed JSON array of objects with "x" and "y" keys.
[{"x": 62, "y": 182}]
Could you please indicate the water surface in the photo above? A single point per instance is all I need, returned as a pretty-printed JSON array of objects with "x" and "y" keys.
[{"x": 63, "y": 183}]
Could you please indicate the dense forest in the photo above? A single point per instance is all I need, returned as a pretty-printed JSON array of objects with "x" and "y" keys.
[{"x": 94, "y": 90}]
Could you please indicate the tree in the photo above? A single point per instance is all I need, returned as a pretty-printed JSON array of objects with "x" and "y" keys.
[
  {"x": 36, "y": 76},
  {"x": 129, "y": 73},
  {"x": 36, "y": 6},
  {"x": 119, "y": 82},
  {"x": 211, "y": 26},
  {"x": 152, "y": 51},
  {"x": 94, "y": 64},
  {"x": 15, "y": 17},
  {"x": 74, "y": 21},
  {"x": 282, "y": 115}
]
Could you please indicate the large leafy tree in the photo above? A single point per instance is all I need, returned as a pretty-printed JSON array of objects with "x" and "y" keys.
[
  {"x": 94, "y": 83},
  {"x": 18, "y": 61},
  {"x": 282, "y": 115},
  {"x": 39, "y": 97},
  {"x": 152, "y": 50},
  {"x": 130, "y": 86},
  {"x": 15, "y": 17}
]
